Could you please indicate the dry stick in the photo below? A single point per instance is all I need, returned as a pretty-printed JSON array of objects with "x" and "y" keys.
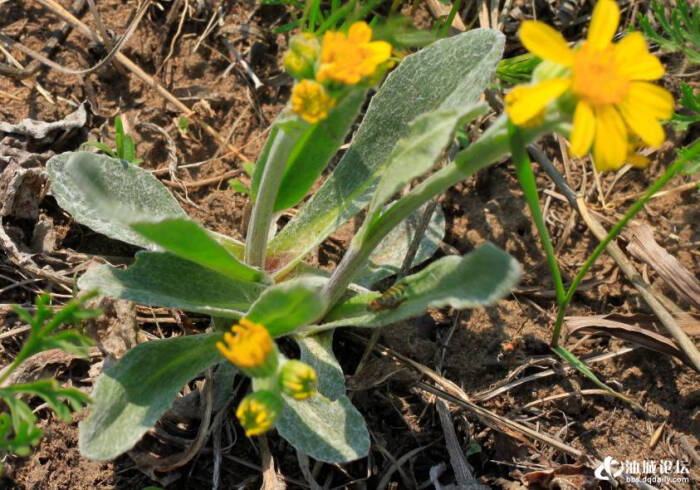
[
  {"x": 642, "y": 286},
  {"x": 145, "y": 78},
  {"x": 454, "y": 394},
  {"x": 35, "y": 65},
  {"x": 487, "y": 395}
]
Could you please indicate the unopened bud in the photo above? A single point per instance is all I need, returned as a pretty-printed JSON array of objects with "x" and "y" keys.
[
  {"x": 298, "y": 380},
  {"x": 259, "y": 411}
]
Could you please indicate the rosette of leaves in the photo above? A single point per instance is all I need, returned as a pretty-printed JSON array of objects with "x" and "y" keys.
[
  {"x": 410, "y": 122},
  {"x": 18, "y": 425}
]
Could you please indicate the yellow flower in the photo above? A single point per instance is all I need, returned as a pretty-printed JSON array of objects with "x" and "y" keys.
[
  {"x": 298, "y": 380},
  {"x": 350, "y": 58},
  {"x": 258, "y": 412},
  {"x": 311, "y": 101},
  {"x": 250, "y": 348},
  {"x": 609, "y": 81}
]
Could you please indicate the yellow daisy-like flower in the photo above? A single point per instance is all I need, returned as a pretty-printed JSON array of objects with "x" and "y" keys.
[
  {"x": 610, "y": 82},
  {"x": 258, "y": 412},
  {"x": 250, "y": 347},
  {"x": 350, "y": 58},
  {"x": 298, "y": 380},
  {"x": 311, "y": 101}
]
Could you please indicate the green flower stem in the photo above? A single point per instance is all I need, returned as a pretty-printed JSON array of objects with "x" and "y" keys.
[
  {"x": 526, "y": 177},
  {"x": 491, "y": 147},
  {"x": 691, "y": 153},
  {"x": 263, "y": 209}
]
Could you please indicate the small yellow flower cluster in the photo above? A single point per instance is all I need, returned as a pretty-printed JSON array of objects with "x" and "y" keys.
[
  {"x": 258, "y": 412},
  {"x": 615, "y": 104},
  {"x": 250, "y": 347},
  {"x": 340, "y": 60}
]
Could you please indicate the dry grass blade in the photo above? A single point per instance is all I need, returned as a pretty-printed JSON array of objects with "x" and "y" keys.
[
  {"x": 624, "y": 327},
  {"x": 644, "y": 247},
  {"x": 642, "y": 286},
  {"x": 145, "y": 78}
]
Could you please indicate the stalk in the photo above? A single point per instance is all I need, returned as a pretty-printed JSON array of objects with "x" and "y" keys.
[{"x": 263, "y": 209}]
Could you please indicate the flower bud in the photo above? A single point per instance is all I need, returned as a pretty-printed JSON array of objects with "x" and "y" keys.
[
  {"x": 300, "y": 60},
  {"x": 298, "y": 380},
  {"x": 249, "y": 347},
  {"x": 259, "y": 411}
]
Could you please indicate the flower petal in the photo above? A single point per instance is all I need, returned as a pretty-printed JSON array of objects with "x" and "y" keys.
[
  {"x": 379, "y": 51},
  {"x": 525, "y": 102},
  {"x": 634, "y": 61},
  {"x": 606, "y": 17},
  {"x": 651, "y": 99},
  {"x": 610, "y": 146},
  {"x": 642, "y": 124},
  {"x": 360, "y": 33},
  {"x": 546, "y": 42},
  {"x": 584, "y": 130},
  {"x": 637, "y": 160}
]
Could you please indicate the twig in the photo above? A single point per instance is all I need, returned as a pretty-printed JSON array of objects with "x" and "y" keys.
[
  {"x": 487, "y": 395},
  {"x": 51, "y": 44},
  {"x": 454, "y": 394},
  {"x": 145, "y": 78},
  {"x": 68, "y": 71}
]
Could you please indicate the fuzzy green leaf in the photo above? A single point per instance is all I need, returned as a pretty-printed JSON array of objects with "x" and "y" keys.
[
  {"x": 330, "y": 431},
  {"x": 162, "y": 279},
  {"x": 131, "y": 396},
  {"x": 315, "y": 148},
  {"x": 317, "y": 351},
  {"x": 186, "y": 239},
  {"x": 107, "y": 194},
  {"x": 288, "y": 305},
  {"x": 479, "y": 278},
  {"x": 428, "y": 136}
]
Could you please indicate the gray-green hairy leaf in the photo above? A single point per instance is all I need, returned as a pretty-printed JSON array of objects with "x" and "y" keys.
[
  {"x": 449, "y": 74},
  {"x": 479, "y": 278},
  {"x": 330, "y": 431},
  {"x": 315, "y": 149},
  {"x": 317, "y": 351},
  {"x": 131, "y": 396},
  {"x": 186, "y": 239},
  {"x": 428, "y": 136},
  {"x": 389, "y": 255},
  {"x": 288, "y": 305},
  {"x": 162, "y": 279},
  {"x": 106, "y": 194}
]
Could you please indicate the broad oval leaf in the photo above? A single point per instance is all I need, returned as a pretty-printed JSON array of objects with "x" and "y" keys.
[
  {"x": 330, "y": 431},
  {"x": 130, "y": 397},
  {"x": 186, "y": 239},
  {"x": 449, "y": 74},
  {"x": 317, "y": 351},
  {"x": 162, "y": 279},
  {"x": 286, "y": 306},
  {"x": 479, "y": 278},
  {"x": 106, "y": 194}
]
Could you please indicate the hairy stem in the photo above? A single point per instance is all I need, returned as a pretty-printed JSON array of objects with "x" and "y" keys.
[{"x": 263, "y": 209}]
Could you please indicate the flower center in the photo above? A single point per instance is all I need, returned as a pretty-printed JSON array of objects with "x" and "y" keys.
[{"x": 596, "y": 77}]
